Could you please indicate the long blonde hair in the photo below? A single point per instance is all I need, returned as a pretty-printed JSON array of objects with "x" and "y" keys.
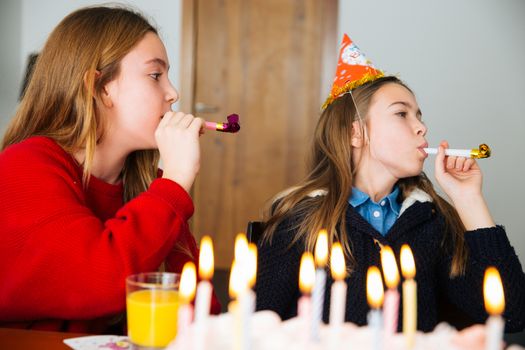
[
  {"x": 82, "y": 54},
  {"x": 331, "y": 170}
]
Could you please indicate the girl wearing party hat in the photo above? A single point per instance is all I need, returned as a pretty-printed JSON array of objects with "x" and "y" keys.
[{"x": 366, "y": 187}]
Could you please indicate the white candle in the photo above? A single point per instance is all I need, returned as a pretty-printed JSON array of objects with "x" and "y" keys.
[
  {"x": 338, "y": 292},
  {"x": 375, "y": 295},
  {"x": 234, "y": 308},
  {"x": 202, "y": 304},
  {"x": 188, "y": 280},
  {"x": 247, "y": 295},
  {"x": 204, "y": 288},
  {"x": 321, "y": 257},
  {"x": 204, "y": 292},
  {"x": 391, "y": 305},
  {"x": 244, "y": 270},
  {"x": 494, "y": 304},
  {"x": 408, "y": 268}
]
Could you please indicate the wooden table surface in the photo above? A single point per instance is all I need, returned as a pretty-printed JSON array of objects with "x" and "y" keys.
[{"x": 18, "y": 339}]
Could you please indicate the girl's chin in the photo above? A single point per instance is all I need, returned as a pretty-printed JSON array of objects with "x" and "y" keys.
[{"x": 412, "y": 173}]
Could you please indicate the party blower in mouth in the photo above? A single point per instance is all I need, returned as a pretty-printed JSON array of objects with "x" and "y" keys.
[
  {"x": 482, "y": 152},
  {"x": 231, "y": 126}
]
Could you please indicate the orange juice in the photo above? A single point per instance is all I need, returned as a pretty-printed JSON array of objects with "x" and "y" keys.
[{"x": 152, "y": 317}]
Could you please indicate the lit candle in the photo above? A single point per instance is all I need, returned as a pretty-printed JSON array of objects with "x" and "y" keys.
[
  {"x": 306, "y": 284},
  {"x": 204, "y": 290},
  {"x": 235, "y": 288},
  {"x": 188, "y": 280},
  {"x": 408, "y": 269},
  {"x": 338, "y": 295},
  {"x": 374, "y": 296},
  {"x": 321, "y": 257},
  {"x": 247, "y": 295},
  {"x": 391, "y": 305},
  {"x": 494, "y": 304},
  {"x": 243, "y": 273}
]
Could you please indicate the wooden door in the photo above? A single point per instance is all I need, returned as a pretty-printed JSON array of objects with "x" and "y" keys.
[{"x": 271, "y": 62}]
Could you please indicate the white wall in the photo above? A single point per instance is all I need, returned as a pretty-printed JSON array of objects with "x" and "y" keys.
[
  {"x": 465, "y": 60},
  {"x": 10, "y": 64},
  {"x": 26, "y": 24}
]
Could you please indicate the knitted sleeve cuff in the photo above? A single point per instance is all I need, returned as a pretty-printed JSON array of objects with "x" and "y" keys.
[
  {"x": 174, "y": 195},
  {"x": 489, "y": 243}
]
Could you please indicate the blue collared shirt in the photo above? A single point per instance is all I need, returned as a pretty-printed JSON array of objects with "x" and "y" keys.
[{"x": 381, "y": 215}]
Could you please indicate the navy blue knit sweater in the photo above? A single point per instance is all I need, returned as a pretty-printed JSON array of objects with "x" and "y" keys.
[{"x": 421, "y": 227}]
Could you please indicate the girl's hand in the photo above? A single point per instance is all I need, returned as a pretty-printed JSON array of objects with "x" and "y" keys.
[
  {"x": 461, "y": 180},
  {"x": 177, "y": 138},
  {"x": 458, "y": 176}
]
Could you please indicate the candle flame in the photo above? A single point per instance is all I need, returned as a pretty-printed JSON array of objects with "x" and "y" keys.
[
  {"x": 390, "y": 271},
  {"x": 307, "y": 273},
  {"x": 206, "y": 264},
  {"x": 408, "y": 266},
  {"x": 374, "y": 287},
  {"x": 241, "y": 248},
  {"x": 236, "y": 281},
  {"x": 321, "y": 248},
  {"x": 188, "y": 281},
  {"x": 337, "y": 262},
  {"x": 252, "y": 265},
  {"x": 493, "y": 292}
]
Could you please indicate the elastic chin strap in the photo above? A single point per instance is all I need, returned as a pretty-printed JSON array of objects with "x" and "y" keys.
[{"x": 361, "y": 120}]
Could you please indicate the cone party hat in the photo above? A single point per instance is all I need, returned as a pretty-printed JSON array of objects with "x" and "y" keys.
[{"x": 353, "y": 70}]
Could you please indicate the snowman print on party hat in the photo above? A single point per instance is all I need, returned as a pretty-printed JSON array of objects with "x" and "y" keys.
[{"x": 353, "y": 69}]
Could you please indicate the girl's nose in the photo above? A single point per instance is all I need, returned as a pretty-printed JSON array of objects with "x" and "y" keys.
[
  {"x": 172, "y": 94},
  {"x": 421, "y": 128}
]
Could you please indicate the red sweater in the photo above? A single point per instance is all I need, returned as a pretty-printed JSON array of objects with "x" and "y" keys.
[{"x": 65, "y": 251}]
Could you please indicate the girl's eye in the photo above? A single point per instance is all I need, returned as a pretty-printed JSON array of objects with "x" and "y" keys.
[
  {"x": 402, "y": 114},
  {"x": 155, "y": 76}
]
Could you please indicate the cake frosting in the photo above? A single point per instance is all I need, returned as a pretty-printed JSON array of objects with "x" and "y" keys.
[{"x": 268, "y": 332}]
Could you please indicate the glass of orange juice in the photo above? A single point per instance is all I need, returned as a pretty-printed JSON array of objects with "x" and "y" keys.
[{"x": 152, "y": 301}]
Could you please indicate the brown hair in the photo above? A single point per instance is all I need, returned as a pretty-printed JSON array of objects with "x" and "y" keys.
[
  {"x": 59, "y": 101},
  {"x": 331, "y": 169}
]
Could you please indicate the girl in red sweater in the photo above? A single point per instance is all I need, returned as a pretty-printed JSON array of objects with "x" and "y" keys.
[{"x": 82, "y": 205}]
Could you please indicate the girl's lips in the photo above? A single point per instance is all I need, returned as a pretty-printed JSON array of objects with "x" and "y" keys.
[{"x": 421, "y": 149}]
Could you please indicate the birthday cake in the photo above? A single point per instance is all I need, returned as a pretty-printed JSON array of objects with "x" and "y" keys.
[{"x": 266, "y": 331}]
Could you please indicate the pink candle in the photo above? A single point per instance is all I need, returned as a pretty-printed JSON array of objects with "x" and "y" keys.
[
  {"x": 391, "y": 304},
  {"x": 306, "y": 283}
]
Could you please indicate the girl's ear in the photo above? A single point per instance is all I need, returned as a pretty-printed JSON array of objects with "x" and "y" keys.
[
  {"x": 89, "y": 83},
  {"x": 357, "y": 135},
  {"x": 106, "y": 98}
]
